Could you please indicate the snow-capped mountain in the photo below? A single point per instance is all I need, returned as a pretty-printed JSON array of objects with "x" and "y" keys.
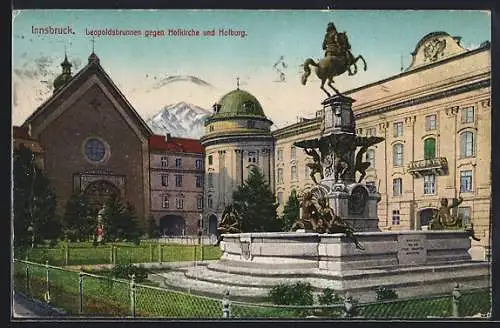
[{"x": 182, "y": 120}]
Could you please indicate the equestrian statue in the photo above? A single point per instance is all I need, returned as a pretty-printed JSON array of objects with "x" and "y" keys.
[{"x": 338, "y": 59}]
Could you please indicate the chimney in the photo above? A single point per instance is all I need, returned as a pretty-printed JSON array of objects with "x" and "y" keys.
[{"x": 167, "y": 137}]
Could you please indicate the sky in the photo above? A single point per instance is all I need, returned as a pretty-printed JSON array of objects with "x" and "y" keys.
[{"x": 138, "y": 64}]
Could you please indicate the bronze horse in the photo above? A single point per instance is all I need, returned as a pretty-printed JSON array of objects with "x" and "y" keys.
[{"x": 331, "y": 66}]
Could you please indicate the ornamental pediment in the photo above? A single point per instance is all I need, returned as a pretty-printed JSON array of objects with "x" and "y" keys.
[{"x": 434, "y": 47}]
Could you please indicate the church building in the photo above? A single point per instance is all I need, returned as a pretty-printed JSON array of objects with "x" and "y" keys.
[{"x": 93, "y": 139}]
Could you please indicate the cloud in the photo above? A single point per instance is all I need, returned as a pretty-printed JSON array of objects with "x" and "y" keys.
[{"x": 181, "y": 78}]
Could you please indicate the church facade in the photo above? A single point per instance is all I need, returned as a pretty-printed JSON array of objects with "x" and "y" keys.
[{"x": 93, "y": 140}]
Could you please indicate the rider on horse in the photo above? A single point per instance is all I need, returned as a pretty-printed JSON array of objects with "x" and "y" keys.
[{"x": 332, "y": 43}]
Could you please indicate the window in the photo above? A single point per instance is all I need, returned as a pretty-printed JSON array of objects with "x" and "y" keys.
[
  {"x": 198, "y": 164},
  {"x": 210, "y": 160},
  {"x": 293, "y": 172},
  {"x": 307, "y": 172},
  {"x": 371, "y": 132},
  {"x": 398, "y": 154},
  {"x": 466, "y": 144},
  {"x": 293, "y": 152},
  {"x": 199, "y": 181},
  {"x": 464, "y": 215},
  {"x": 430, "y": 122},
  {"x": 179, "y": 203},
  {"x": 280, "y": 154},
  {"x": 95, "y": 150},
  {"x": 210, "y": 180},
  {"x": 252, "y": 157},
  {"x": 280, "y": 175},
  {"x": 211, "y": 128},
  {"x": 280, "y": 198},
  {"x": 370, "y": 157},
  {"x": 398, "y": 129},
  {"x": 468, "y": 115},
  {"x": 199, "y": 203},
  {"x": 178, "y": 162},
  {"x": 466, "y": 181},
  {"x": 395, "y": 217},
  {"x": 164, "y": 203},
  {"x": 210, "y": 202},
  {"x": 164, "y": 180},
  {"x": 429, "y": 184},
  {"x": 429, "y": 148},
  {"x": 164, "y": 161},
  {"x": 397, "y": 187},
  {"x": 178, "y": 180}
]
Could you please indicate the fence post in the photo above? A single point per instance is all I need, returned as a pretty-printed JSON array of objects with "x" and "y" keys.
[
  {"x": 151, "y": 253},
  {"x": 226, "y": 305},
  {"x": 160, "y": 253},
  {"x": 47, "y": 291},
  {"x": 66, "y": 254},
  {"x": 348, "y": 306},
  {"x": 115, "y": 255},
  {"x": 80, "y": 285},
  {"x": 111, "y": 255},
  {"x": 28, "y": 287},
  {"x": 132, "y": 295},
  {"x": 455, "y": 300}
]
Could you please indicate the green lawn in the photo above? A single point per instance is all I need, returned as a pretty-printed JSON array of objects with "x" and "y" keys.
[
  {"x": 105, "y": 297},
  {"x": 85, "y": 253}
]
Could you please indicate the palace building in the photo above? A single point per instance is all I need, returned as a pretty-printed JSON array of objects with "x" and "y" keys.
[{"x": 436, "y": 120}]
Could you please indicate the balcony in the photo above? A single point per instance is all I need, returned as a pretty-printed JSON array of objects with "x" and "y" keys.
[{"x": 437, "y": 166}]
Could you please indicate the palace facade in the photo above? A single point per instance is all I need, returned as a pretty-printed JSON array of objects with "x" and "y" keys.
[{"x": 436, "y": 120}]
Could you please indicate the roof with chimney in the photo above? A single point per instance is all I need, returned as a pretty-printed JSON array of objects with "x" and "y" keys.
[{"x": 174, "y": 144}]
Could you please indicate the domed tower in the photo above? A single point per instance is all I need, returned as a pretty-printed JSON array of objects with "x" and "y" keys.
[
  {"x": 65, "y": 76},
  {"x": 237, "y": 137}
]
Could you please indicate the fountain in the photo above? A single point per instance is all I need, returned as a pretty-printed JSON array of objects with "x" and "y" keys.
[{"x": 339, "y": 244}]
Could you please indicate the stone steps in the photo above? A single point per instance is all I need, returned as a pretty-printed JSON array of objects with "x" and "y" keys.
[{"x": 177, "y": 280}]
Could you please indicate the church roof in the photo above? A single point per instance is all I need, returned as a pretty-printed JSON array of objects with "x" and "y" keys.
[
  {"x": 239, "y": 103},
  {"x": 92, "y": 68},
  {"x": 173, "y": 144}
]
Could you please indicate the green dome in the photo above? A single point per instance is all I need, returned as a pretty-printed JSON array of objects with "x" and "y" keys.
[{"x": 239, "y": 103}]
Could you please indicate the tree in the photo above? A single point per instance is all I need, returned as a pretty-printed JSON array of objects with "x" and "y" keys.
[
  {"x": 112, "y": 219},
  {"x": 34, "y": 201},
  {"x": 256, "y": 204},
  {"x": 80, "y": 218},
  {"x": 130, "y": 225},
  {"x": 291, "y": 212},
  {"x": 153, "y": 228},
  {"x": 121, "y": 221}
]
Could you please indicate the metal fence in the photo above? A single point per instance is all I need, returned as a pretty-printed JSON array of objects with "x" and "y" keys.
[
  {"x": 86, "y": 294},
  {"x": 119, "y": 254}
]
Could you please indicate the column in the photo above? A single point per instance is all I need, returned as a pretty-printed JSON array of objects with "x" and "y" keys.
[
  {"x": 265, "y": 164},
  {"x": 239, "y": 167},
  {"x": 222, "y": 178}
]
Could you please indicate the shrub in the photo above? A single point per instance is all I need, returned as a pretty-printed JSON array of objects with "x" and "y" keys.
[
  {"x": 385, "y": 294},
  {"x": 124, "y": 271},
  {"x": 328, "y": 297},
  {"x": 292, "y": 294}
]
